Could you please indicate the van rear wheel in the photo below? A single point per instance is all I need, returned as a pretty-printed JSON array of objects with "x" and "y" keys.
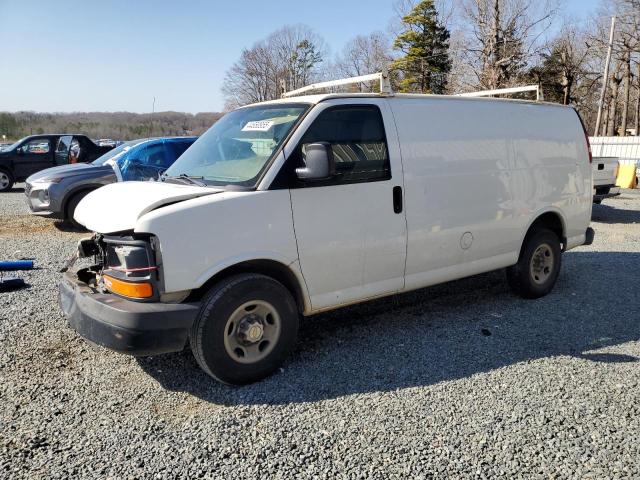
[
  {"x": 245, "y": 328},
  {"x": 538, "y": 267}
]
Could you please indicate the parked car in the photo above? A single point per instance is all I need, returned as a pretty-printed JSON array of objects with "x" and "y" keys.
[
  {"x": 56, "y": 192},
  {"x": 37, "y": 152},
  {"x": 298, "y": 206},
  {"x": 605, "y": 173},
  {"x": 108, "y": 142}
]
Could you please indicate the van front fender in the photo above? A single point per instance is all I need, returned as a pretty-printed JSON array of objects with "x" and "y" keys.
[{"x": 266, "y": 263}]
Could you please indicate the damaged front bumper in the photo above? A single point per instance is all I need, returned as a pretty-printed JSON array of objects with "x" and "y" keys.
[{"x": 136, "y": 328}]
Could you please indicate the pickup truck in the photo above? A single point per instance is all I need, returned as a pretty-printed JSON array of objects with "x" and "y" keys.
[
  {"x": 605, "y": 171},
  {"x": 37, "y": 152}
]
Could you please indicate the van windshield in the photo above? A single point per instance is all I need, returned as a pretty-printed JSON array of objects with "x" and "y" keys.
[{"x": 239, "y": 146}]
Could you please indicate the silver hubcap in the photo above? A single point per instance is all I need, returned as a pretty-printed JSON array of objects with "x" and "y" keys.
[
  {"x": 541, "y": 266},
  {"x": 4, "y": 180},
  {"x": 252, "y": 331}
]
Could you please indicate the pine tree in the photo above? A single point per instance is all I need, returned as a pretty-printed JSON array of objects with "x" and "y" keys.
[{"x": 425, "y": 45}]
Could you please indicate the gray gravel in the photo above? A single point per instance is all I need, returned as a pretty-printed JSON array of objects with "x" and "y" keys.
[{"x": 459, "y": 380}]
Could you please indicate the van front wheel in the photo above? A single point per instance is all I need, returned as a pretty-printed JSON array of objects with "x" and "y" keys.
[
  {"x": 246, "y": 326},
  {"x": 538, "y": 267}
]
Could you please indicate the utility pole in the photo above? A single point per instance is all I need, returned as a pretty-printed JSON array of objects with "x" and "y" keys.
[
  {"x": 153, "y": 110},
  {"x": 606, "y": 77}
]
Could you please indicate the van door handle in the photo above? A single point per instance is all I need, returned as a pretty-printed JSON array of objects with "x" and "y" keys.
[{"x": 397, "y": 199}]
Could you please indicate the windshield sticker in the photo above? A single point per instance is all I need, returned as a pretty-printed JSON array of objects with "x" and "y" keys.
[{"x": 258, "y": 126}]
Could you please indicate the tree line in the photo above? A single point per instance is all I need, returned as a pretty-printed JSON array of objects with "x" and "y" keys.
[
  {"x": 456, "y": 46},
  {"x": 116, "y": 125}
]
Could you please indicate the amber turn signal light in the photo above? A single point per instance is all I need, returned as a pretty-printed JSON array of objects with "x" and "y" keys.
[{"x": 128, "y": 289}]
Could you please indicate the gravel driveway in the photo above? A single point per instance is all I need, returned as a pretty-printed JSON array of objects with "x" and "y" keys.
[{"x": 458, "y": 380}]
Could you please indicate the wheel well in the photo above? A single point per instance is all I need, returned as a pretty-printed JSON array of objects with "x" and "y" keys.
[
  {"x": 269, "y": 268},
  {"x": 550, "y": 221},
  {"x": 74, "y": 194}
]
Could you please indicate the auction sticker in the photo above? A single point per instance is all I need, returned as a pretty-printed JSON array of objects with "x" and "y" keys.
[{"x": 258, "y": 126}]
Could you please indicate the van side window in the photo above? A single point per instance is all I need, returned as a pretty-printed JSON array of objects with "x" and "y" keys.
[{"x": 358, "y": 141}]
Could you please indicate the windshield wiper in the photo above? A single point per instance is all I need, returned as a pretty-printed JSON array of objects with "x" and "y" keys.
[{"x": 192, "y": 179}]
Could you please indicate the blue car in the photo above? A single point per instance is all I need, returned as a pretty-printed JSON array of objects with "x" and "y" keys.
[{"x": 55, "y": 192}]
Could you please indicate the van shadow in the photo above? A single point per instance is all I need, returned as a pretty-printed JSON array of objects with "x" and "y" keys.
[
  {"x": 67, "y": 227},
  {"x": 613, "y": 214},
  {"x": 441, "y": 333}
]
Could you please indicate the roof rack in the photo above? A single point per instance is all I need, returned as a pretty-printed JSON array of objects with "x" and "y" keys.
[
  {"x": 383, "y": 77},
  {"x": 506, "y": 91}
]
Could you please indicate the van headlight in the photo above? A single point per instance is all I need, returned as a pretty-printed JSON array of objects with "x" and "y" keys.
[
  {"x": 132, "y": 260},
  {"x": 129, "y": 268}
]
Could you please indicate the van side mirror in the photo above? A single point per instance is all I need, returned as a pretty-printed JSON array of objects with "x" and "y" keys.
[{"x": 318, "y": 162}]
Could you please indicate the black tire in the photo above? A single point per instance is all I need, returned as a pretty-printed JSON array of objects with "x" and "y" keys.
[
  {"x": 6, "y": 180},
  {"x": 71, "y": 210},
  {"x": 214, "y": 328},
  {"x": 529, "y": 278}
]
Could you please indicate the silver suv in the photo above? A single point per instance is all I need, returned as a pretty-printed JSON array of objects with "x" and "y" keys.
[{"x": 56, "y": 192}]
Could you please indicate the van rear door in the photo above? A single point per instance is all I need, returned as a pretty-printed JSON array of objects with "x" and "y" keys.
[{"x": 350, "y": 228}]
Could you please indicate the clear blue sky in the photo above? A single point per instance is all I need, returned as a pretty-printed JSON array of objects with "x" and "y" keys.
[{"x": 75, "y": 55}]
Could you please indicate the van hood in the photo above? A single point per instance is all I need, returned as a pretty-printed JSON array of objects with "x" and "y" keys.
[{"x": 117, "y": 207}]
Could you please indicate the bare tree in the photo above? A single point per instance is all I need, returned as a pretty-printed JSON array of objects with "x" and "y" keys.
[
  {"x": 638, "y": 100},
  {"x": 504, "y": 35},
  {"x": 290, "y": 56},
  {"x": 563, "y": 67},
  {"x": 628, "y": 47},
  {"x": 572, "y": 51},
  {"x": 626, "y": 54},
  {"x": 614, "y": 82},
  {"x": 363, "y": 55}
]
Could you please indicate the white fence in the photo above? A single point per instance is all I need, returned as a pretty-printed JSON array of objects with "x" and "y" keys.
[{"x": 627, "y": 149}]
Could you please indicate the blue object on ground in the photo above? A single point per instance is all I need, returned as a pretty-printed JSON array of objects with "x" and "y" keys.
[{"x": 13, "y": 265}]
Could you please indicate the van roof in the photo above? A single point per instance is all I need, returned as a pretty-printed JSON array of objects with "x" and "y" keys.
[{"x": 317, "y": 98}]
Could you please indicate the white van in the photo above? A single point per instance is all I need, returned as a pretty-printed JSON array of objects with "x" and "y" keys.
[{"x": 303, "y": 205}]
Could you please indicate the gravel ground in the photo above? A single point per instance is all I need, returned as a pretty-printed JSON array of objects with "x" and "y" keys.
[{"x": 458, "y": 380}]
